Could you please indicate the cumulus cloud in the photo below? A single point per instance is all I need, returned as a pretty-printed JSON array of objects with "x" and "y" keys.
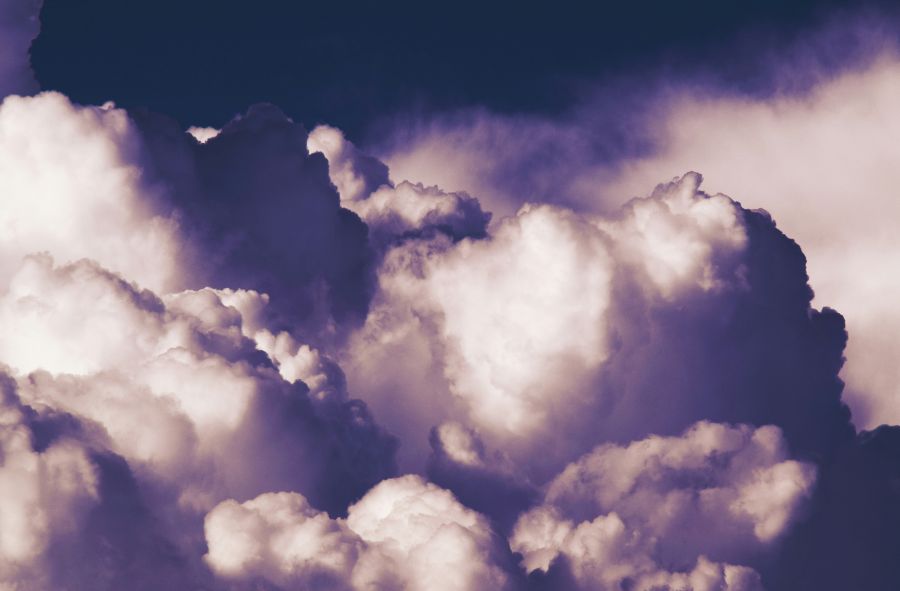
[
  {"x": 392, "y": 212},
  {"x": 72, "y": 184},
  {"x": 715, "y": 490},
  {"x": 818, "y": 158},
  {"x": 264, "y": 215},
  {"x": 180, "y": 390},
  {"x": 500, "y": 371},
  {"x": 484, "y": 479},
  {"x": 404, "y": 533},
  {"x": 605, "y": 325},
  {"x": 642, "y": 398},
  {"x": 138, "y": 404},
  {"x": 604, "y": 554},
  {"x": 821, "y": 164},
  {"x": 653, "y": 513},
  {"x": 355, "y": 174},
  {"x": 47, "y": 491},
  {"x": 507, "y": 160}
]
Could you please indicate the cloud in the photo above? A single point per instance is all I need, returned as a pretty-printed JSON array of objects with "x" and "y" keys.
[
  {"x": 394, "y": 211},
  {"x": 213, "y": 394},
  {"x": 815, "y": 152},
  {"x": 404, "y": 533},
  {"x": 19, "y": 25},
  {"x": 281, "y": 538},
  {"x": 72, "y": 183},
  {"x": 203, "y": 134},
  {"x": 507, "y": 160},
  {"x": 264, "y": 216},
  {"x": 355, "y": 174},
  {"x": 604, "y": 554},
  {"x": 145, "y": 371},
  {"x": 853, "y": 530},
  {"x": 196, "y": 326},
  {"x": 138, "y": 405},
  {"x": 46, "y": 492},
  {"x": 485, "y": 480},
  {"x": 73, "y": 516},
  {"x": 561, "y": 331},
  {"x": 652, "y": 513},
  {"x": 715, "y": 490},
  {"x": 820, "y": 163}
]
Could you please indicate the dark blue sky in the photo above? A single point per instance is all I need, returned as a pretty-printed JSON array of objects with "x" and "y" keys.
[{"x": 352, "y": 63}]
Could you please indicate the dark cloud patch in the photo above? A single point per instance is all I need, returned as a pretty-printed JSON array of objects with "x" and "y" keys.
[
  {"x": 484, "y": 484},
  {"x": 19, "y": 25},
  {"x": 266, "y": 215},
  {"x": 124, "y": 543},
  {"x": 852, "y": 535},
  {"x": 755, "y": 353}
]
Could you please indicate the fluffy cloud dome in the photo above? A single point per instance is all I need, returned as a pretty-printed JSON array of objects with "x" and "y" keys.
[{"x": 404, "y": 533}]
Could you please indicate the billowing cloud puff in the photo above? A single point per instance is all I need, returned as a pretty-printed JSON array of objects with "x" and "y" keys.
[
  {"x": 820, "y": 160},
  {"x": 651, "y": 514},
  {"x": 604, "y": 555},
  {"x": 141, "y": 405},
  {"x": 72, "y": 184},
  {"x": 410, "y": 210},
  {"x": 715, "y": 490},
  {"x": 405, "y": 533},
  {"x": 493, "y": 295},
  {"x": 679, "y": 237},
  {"x": 279, "y": 537},
  {"x": 47, "y": 491},
  {"x": 393, "y": 211},
  {"x": 180, "y": 390},
  {"x": 823, "y": 165},
  {"x": 603, "y": 326},
  {"x": 355, "y": 174},
  {"x": 203, "y": 134},
  {"x": 73, "y": 516}
]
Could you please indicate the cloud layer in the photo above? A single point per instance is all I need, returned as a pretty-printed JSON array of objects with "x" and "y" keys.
[
  {"x": 819, "y": 159},
  {"x": 251, "y": 358}
]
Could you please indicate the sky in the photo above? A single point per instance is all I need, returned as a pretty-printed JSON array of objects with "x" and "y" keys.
[{"x": 449, "y": 297}]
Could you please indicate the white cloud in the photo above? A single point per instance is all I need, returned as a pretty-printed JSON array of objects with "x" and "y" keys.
[
  {"x": 820, "y": 161},
  {"x": 390, "y": 210},
  {"x": 72, "y": 184},
  {"x": 627, "y": 513},
  {"x": 714, "y": 489},
  {"x": 174, "y": 384},
  {"x": 46, "y": 493},
  {"x": 279, "y": 537},
  {"x": 203, "y": 134},
  {"x": 494, "y": 298},
  {"x": 605, "y": 555},
  {"x": 404, "y": 533},
  {"x": 521, "y": 323},
  {"x": 355, "y": 175},
  {"x": 823, "y": 165}
]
